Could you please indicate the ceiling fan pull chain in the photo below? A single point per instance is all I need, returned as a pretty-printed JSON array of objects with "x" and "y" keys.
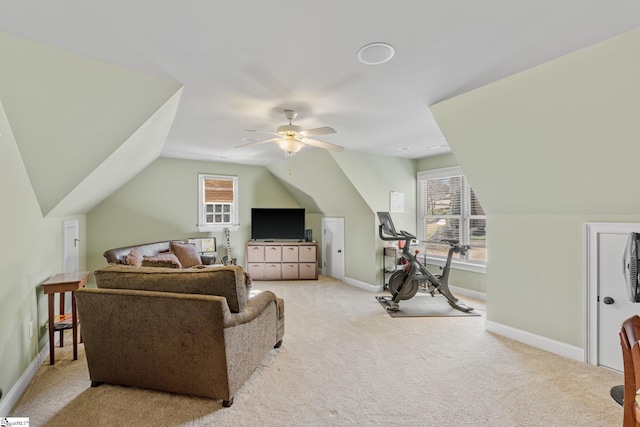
[{"x": 290, "y": 165}]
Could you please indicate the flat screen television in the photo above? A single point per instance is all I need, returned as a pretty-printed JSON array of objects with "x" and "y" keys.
[{"x": 277, "y": 224}]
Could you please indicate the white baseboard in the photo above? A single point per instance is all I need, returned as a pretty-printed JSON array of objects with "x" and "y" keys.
[
  {"x": 18, "y": 389},
  {"x": 480, "y": 296},
  {"x": 547, "y": 344},
  {"x": 363, "y": 285}
]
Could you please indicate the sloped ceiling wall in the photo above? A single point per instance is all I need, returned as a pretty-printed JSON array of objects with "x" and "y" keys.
[
  {"x": 561, "y": 138},
  {"x": 320, "y": 184},
  {"x": 70, "y": 114}
]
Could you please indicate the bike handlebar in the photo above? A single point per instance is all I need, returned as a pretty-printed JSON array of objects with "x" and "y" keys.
[
  {"x": 402, "y": 236},
  {"x": 454, "y": 243}
]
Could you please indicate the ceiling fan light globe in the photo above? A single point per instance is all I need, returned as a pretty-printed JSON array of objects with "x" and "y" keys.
[{"x": 290, "y": 145}]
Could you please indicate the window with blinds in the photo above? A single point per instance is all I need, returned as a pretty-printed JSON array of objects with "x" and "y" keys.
[
  {"x": 217, "y": 201},
  {"x": 449, "y": 209}
]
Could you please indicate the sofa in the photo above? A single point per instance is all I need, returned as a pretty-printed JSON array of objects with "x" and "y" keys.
[
  {"x": 194, "y": 331},
  {"x": 119, "y": 255}
]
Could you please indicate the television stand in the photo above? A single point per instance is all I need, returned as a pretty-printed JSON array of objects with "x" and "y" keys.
[{"x": 282, "y": 260}]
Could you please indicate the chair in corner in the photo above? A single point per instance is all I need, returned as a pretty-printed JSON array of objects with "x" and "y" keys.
[
  {"x": 629, "y": 335},
  {"x": 635, "y": 356}
]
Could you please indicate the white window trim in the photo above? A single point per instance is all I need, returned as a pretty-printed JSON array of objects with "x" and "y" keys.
[
  {"x": 202, "y": 225},
  {"x": 440, "y": 261}
]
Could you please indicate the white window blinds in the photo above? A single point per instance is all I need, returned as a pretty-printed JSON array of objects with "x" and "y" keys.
[{"x": 448, "y": 209}]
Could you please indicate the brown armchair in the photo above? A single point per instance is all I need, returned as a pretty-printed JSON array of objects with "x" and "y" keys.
[{"x": 189, "y": 331}]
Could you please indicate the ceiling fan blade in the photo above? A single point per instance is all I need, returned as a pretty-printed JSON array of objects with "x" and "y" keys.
[
  {"x": 322, "y": 144},
  {"x": 256, "y": 142},
  {"x": 260, "y": 131},
  {"x": 325, "y": 130}
]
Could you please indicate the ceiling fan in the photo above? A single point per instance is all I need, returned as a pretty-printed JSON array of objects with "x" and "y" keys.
[{"x": 291, "y": 138}]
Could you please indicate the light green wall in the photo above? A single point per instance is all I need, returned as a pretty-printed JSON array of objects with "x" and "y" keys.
[
  {"x": 31, "y": 253},
  {"x": 375, "y": 177},
  {"x": 161, "y": 203},
  {"x": 64, "y": 107},
  {"x": 546, "y": 150},
  {"x": 437, "y": 162}
]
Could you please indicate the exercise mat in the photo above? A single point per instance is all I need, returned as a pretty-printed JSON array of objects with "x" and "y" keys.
[{"x": 424, "y": 305}]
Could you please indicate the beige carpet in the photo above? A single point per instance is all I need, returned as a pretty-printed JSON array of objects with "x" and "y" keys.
[
  {"x": 345, "y": 362},
  {"x": 425, "y": 305}
]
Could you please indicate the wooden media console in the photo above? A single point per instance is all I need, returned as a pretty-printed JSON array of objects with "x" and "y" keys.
[{"x": 282, "y": 260}]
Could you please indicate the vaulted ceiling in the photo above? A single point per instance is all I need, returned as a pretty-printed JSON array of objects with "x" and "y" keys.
[{"x": 242, "y": 63}]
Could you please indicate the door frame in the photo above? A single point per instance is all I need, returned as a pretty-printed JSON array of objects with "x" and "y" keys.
[{"x": 592, "y": 285}]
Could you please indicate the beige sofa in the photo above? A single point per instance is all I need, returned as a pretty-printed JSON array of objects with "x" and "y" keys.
[{"x": 192, "y": 331}]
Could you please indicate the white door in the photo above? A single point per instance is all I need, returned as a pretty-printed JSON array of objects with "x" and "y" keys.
[
  {"x": 70, "y": 246},
  {"x": 609, "y": 304},
  {"x": 333, "y": 247}
]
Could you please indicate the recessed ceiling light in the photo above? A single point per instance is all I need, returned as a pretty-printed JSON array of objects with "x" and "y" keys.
[
  {"x": 403, "y": 148},
  {"x": 376, "y": 53}
]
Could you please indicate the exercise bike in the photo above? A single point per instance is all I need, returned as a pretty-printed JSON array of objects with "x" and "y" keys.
[{"x": 414, "y": 276}]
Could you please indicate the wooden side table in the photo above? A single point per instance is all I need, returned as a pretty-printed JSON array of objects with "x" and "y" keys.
[{"x": 61, "y": 283}]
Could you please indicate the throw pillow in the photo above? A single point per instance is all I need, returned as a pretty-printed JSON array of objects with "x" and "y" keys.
[
  {"x": 167, "y": 260},
  {"x": 134, "y": 257},
  {"x": 186, "y": 253}
]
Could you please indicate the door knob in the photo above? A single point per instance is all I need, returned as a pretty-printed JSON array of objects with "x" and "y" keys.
[
  {"x": 608, "y": 300},
  {"x": 339, "y": 251}
]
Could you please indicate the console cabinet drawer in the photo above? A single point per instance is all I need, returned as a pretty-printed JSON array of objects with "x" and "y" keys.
[
  {"x": 256, "y": 270},
  {"x": 255, "y": 253},
  {"x": 272, "y": 271},
  {"x": 273, "y": 253},
  {"x": 290, "y": 270},
  {"x": 308, "y": 270},
  {"x": 290, "y": 253},
  {"x": 307, "y": 254}
]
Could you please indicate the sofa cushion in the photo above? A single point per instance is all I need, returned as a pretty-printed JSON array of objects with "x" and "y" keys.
[
  {"x": 167, "y": 260},
  {"x": 187, "y": 254},
  {"x": 134, "y": 257},
  {"x": 224, "y": 281}
]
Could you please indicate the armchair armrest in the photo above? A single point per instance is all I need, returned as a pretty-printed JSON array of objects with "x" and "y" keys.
[{"x": 255, "y": 305}]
